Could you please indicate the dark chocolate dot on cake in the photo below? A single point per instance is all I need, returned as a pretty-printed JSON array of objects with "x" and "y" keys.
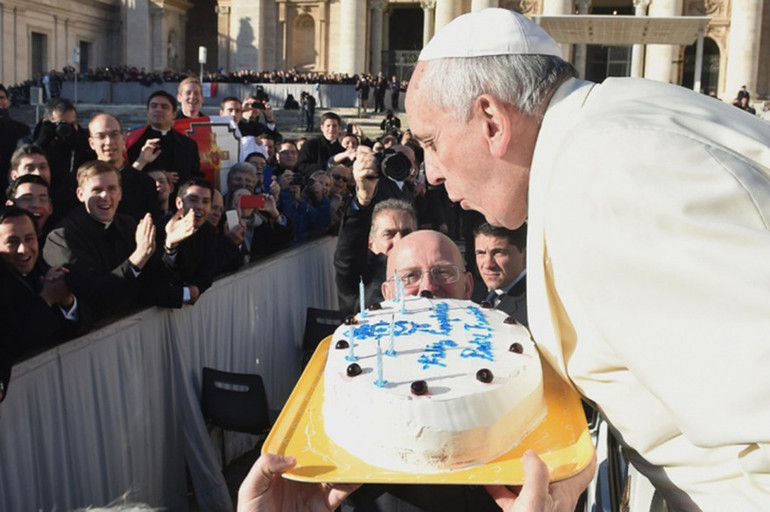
[
  {"x": 427, "y": 294},
  {"x": 350, "y": 320},
  {"x": 375, "y": 306},
  {"x": 484, "y": 375},
  {"x": 486, "y": 304},
  {"x": 353, "y": 370},
  {"x": 342, "y": 344},
  {"x": 419, "y": 387},
  {"x": 510, "y": 320},
  {"x": 516, "y": 348}
]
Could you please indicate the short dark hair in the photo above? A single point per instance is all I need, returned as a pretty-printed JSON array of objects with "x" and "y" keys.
[
  {"x": 14, "y": 212},
  {"x": 163, "y": 94},
  {"x": 60, "y": 105},
  {"x": 516, "y": 237},
  {"x": 26, "y": 150},
  {"x": 195, "y": 182},
  {"x": 3, "y": 89},
  {"x": 226, "y": 99},
  {"x": 399, "y": 205},
  {"x": 10, "y": 192},
  {"x": 331, "y": 115}
]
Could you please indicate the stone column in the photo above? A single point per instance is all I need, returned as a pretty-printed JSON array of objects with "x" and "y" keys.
[
  {"x": 552, "y": 8},
  {"x": 445, "y": 12},
  {"x": 637, "y": 51},
  {"x": 477, "y": 5},
  {"x": 660, "y": 58},
  {"x": 352, "y": 36},
  {"x": 377, "y": 7},
  {"x": 428, "y": 13},
  {"x": 283, "y": 29},
  {"x": 583, "y": 7},
  {"x": 157, "y": 39},
  {"x": 136, "y": 33},
  {"x": 223, "y": 36},
  {"x": 743, "y": 47}
]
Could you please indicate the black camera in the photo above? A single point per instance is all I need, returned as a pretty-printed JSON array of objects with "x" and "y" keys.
[
  {"x": 394, "y": 165},
  {"x": 64, "y": 129},
  {"x": 298, "y": 179}
]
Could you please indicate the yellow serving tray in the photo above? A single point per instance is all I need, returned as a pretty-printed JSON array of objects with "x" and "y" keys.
[{"x": 561, "y": 440}]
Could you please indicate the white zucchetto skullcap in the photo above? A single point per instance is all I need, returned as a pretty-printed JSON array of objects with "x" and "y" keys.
[{"x": 488, "y": 32}]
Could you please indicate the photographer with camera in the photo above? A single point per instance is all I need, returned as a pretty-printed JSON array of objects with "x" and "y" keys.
[
  {"x": 252, "y": 109},
  {"x": 66, "y": 146},
  {"x": 391, "y": 125},
  {"x": 380, "y": 212}
]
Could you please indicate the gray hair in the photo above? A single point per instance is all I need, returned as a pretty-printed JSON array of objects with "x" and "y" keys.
[
  {"x": 524, "y": 81},
  {"x": 243, "y": 167},
  {"x": 399, "y": 205}
]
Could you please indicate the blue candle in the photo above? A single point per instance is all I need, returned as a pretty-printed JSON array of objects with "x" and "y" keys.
[
  {"x": 396, "y": 286},
  {"x": 391, "y": 349},
  {"x": 361, "y": 296},
  {"x": 380, "y": 382},
  {"x": 351, "y": 354},
  {"x": 403, "y": 298}
]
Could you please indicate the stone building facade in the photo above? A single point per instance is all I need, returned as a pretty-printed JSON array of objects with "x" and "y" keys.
[{"x": 350, "y": 36}]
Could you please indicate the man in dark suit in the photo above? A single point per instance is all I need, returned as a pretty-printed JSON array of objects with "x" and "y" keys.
[
  {"x": 37, "y": 308},
  {"x": 139, "y": 196},
  {"x": 160, "y": 147},
  {"x": 10, "y": 133},
  {"x": 104, "y": 252},
  {"x": 501, "y": 256},
  {"x": 186, "y": 266},
  {"x": 315, "y": 153}
]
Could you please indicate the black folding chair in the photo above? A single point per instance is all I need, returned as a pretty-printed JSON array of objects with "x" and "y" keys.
[
  {"x": 235, "y": 401},
  {"x": 319, "y": 323}
]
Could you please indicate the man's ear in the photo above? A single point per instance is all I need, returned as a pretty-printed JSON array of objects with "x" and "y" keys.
[
  {"x": 468, "y": 285},
  {"x": 179, "y": 203},
  {"x": 79, "y": 194},
  {"x": 387, "y": 290},
  {"x": 495, "y": 122}
]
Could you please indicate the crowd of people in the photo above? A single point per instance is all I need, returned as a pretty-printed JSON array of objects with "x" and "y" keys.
[
  {"x": 53, "y": 80},
  {"x": 123, "y": 221},
  {"x": 646, "y": 207}
]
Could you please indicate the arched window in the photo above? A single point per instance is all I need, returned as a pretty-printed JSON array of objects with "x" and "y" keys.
[{"x": 303, "y": 52}]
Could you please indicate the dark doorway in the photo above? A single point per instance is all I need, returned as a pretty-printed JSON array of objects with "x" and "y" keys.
[
  {"x": 710, "y": 75},
  {"x": 405, "y": 40},
  {"x": 201, "y": 30}
]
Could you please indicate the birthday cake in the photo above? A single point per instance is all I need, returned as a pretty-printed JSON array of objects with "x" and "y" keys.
[{"x": 430, "y": 385}]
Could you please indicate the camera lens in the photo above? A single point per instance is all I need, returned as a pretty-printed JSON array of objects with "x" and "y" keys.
[
  {"x": 64, "y": 129},
  {"x": 395, "y": 165}
]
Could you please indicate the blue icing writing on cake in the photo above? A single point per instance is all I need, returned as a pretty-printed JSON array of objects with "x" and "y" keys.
[{"x": 453, "y": 392}]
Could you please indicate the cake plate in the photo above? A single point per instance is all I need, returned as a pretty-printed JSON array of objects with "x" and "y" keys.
[{"x": 561, "y": 440}]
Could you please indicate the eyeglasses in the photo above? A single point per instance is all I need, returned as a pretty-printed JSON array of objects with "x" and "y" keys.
[
  {"x": 107, "y": 135},
  {"x": 440, "y": 274},
  {"x": 339, "y": 177}
]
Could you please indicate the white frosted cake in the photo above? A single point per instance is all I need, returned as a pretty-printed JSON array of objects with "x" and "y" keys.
[{"x": 457, "y": 385}]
